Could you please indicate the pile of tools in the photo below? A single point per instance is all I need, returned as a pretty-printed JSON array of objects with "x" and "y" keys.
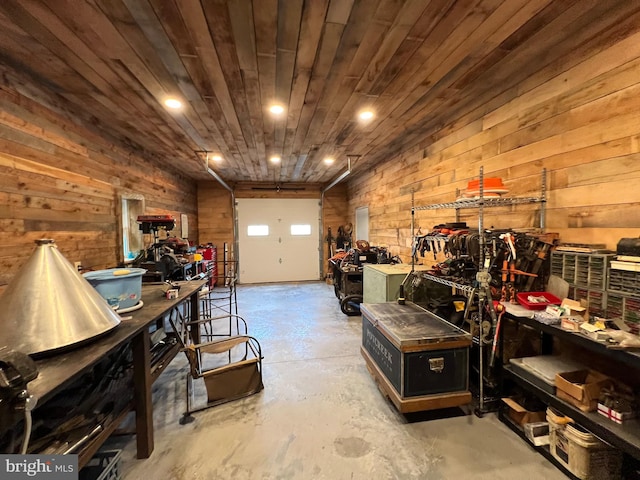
[
  {"x": 73, "y": 417},
  {"x": 515, "y": 261}
]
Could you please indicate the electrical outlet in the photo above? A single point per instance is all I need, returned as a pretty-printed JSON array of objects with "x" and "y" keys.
[{"x": 77, "y": 266}]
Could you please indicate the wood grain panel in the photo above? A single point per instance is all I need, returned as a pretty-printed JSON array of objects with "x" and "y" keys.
[
  {"x": 60, "y": 180},
  {"x": 215, "y": 215},
  {"x": 513, "y": 86},
  {"x": 582, "y": 126},
  {"x": 428, "y": 68}
]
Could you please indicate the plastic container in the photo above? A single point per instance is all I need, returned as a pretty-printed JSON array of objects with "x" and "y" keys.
[
  {"x": 120, "y": 287},
  {"x": 489, "y": 182},
  {"x": 525, "y": 301},
  {"x": 557, "y": 422},
  {"x": 580, "y": 452},
  {"x": 557, "y": 441},
  {"x": 104, "y": 465}
]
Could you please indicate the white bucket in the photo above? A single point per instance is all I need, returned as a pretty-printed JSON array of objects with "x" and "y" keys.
[
  {"x": 557, "y": 423},
  {"x": 584, "y": 455}
]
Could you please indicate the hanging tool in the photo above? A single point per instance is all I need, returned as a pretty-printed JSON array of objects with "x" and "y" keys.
[
  {"x": 500, "y": 310},
  {"x": 508, "y": 239},
  {"x": 512, "y": 271},
  {"x": 543, "y": 251},
  {"x": 330, "y": 240},
  {"x": 508, "y": 292}
]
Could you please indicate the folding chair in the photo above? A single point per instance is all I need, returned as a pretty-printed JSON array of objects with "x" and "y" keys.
[
  {"x": 230, "y": 380},
  {"x": 230, "y": 366}
]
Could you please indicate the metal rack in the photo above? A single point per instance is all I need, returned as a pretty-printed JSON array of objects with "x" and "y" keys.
[
  {"x": 481, "y": 290},
  {"x": 625, "y": 437}
]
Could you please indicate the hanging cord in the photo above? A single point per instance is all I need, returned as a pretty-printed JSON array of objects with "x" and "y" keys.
[{"x": 29, "y": 404}]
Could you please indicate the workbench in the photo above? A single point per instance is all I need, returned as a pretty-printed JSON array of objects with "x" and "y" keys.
[{"x": 61, "y": 370}]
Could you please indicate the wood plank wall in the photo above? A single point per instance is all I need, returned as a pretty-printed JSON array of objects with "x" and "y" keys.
[
  {"x": 61, "y": 178},
  {"x": 581, "y": 124},
  {"x": 215, "y": 217}
]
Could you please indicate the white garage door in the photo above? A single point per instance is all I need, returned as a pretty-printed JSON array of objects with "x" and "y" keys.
[{"x": 278, "y": 240}]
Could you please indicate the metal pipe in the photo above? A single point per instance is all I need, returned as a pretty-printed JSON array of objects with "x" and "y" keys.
[
  {"x": 83, "y": 440},
  {"x": 236, "y": 240},
  {"x": 234, "y": 215},
  {"x": 543, "y": 199},
  {"x": 211, "y": 172},
  {"x": 342, "y": 176},
  {"x": 219, "y": 179},
  {"x": 413, "y": 218},
  {"x": 321, "y": 238}
]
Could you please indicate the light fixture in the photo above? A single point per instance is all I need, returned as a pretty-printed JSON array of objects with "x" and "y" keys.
[
  {"x": 329, "y": 161},
  {"x": 365, "y": 115},
  {"x": 276, "y": 109},
  {"x": 275, "y": 159},
  {"x": 216, "y": 158},
  {"x": 173, "y": 103}
]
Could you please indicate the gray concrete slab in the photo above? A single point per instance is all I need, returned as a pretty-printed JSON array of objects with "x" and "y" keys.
[{"x": 320, "y": 415}]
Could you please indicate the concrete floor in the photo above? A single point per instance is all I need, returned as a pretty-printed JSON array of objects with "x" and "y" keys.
[{"x": 321, "y": 415}]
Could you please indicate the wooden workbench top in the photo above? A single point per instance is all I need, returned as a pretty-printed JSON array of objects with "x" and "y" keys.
[{"x": 58, "y": 370}]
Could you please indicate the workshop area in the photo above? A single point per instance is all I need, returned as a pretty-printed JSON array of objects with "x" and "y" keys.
[
  {"x": 320, "y": 239},
  {"x": 320, "y": 415}
]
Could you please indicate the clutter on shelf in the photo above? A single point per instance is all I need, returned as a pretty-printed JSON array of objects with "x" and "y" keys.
[
  {"x": 518, "y": 260},
  {"x": 346, "y": 272}
]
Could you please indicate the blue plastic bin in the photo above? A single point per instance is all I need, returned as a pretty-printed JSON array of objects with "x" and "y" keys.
[{"x": 121, "y": 290}]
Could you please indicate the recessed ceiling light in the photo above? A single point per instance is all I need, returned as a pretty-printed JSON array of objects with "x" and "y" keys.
[
  {"x": 173, "y": 103},
  {"x": 328, "y": 160},
  {"x": 216, "y": 158},
  {"x": 276, "y": 109},
  {"x": 275, "y": 159},
  {"x": 365, "y": 115}
]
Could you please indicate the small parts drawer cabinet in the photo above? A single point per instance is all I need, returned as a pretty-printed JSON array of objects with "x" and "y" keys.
[{"x": 419, "y": 360}]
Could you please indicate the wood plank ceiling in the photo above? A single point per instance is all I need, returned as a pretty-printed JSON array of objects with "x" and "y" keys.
[{"x": 417, "y": 64}]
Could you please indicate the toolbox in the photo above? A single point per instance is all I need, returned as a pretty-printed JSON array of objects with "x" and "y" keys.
[{"x": 419, "y": 360}]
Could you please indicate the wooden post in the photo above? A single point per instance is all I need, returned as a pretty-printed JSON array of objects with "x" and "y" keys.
[{"x": 142, "y": 393}]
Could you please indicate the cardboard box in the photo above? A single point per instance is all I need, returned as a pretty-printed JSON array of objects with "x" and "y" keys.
[
  {"x": 615, "y": 415},
  {"x": 575, "y": 308},
  {"x": 571, "y": 324},
  {"x": 555, "y": 310},
  {"x": 521, "y": 415},
  {"x": 581, "y": 388},
  {"x": 594, "y": 332}
]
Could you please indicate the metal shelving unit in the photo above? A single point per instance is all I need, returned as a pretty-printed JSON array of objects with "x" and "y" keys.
[
  {"x": 487, "y": 202},
  {"x": 626, "y": 436},
  {"x": 542, "y": 450},
  {"x": 481, "y": 290},
  {"x": 466, "y": 289}
]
